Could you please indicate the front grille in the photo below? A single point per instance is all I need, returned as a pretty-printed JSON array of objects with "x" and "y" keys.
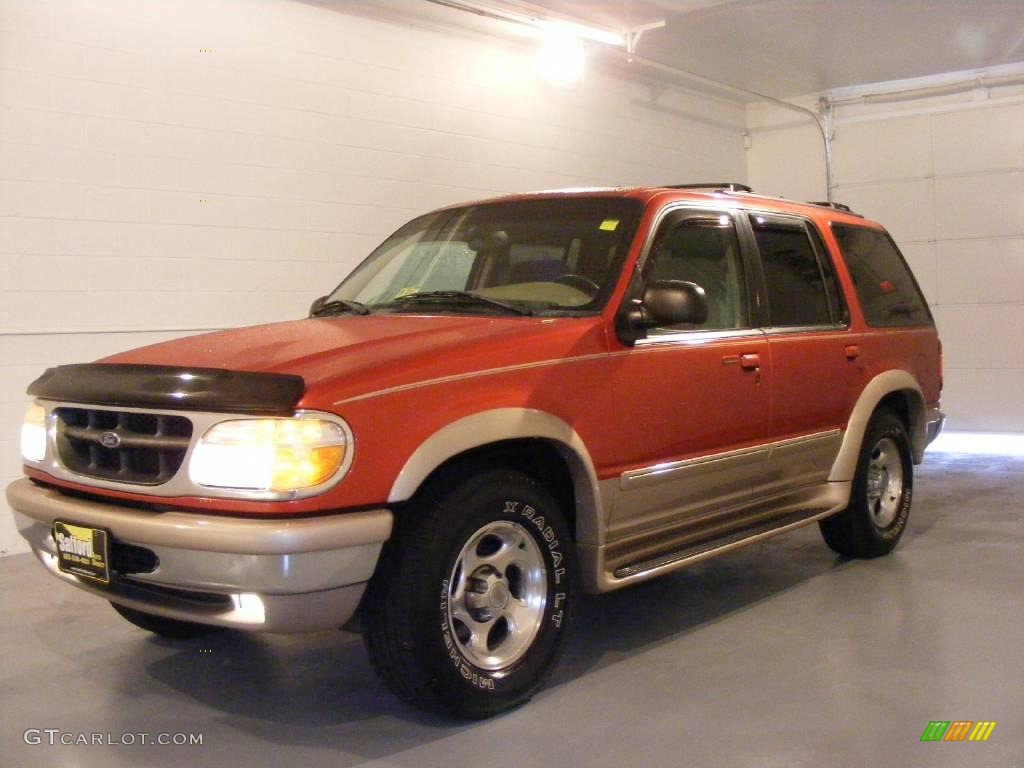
[{"x": 127, "y": 447}]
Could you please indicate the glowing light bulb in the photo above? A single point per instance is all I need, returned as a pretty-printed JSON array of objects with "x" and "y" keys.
[{"x": 560, "y": 58}]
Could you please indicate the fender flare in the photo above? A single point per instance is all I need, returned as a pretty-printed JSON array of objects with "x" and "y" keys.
[
  {"x": 489, "y": 427},
  {"x": 845, "y": 466}
]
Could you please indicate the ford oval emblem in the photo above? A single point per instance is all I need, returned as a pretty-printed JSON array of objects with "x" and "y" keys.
[{"x": 110, "y": 440}]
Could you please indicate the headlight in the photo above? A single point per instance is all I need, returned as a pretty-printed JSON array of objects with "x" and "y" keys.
[
  {"x": 33, "y": 434},
  {"x": 269, "y": 454}
]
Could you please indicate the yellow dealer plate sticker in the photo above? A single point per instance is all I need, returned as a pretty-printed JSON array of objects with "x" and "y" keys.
[
  {"x": 83, "y": 551},
  {"x": 609, "y": 225}
]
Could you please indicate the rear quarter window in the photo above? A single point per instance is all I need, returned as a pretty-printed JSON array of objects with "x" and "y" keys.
[{"x": 888, "y": 294}]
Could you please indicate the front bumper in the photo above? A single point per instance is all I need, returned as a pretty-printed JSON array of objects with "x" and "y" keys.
[{"x": 285, "y": 576}]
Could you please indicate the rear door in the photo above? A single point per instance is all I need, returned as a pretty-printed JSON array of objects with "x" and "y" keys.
[{"x": 816, "y": 373}]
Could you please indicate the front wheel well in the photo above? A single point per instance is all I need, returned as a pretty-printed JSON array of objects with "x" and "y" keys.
[{"x": 536, "y": 457}]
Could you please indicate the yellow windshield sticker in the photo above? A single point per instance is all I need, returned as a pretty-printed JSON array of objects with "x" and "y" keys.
[
  {"x": 407, "y": 292},
  {"x": 609, "y": 225}
]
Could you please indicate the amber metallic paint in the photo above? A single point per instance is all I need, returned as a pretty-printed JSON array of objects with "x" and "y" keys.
[{"x": 399, "y": 379}]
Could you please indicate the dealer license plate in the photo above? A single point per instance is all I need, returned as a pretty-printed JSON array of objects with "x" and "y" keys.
[{"x": 83, "y": 551}]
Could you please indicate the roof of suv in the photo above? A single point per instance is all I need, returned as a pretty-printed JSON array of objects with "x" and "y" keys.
[{"x": 711, "y": 192}]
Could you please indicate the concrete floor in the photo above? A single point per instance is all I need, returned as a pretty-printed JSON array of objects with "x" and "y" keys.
[{"x": 778, "y": 655}]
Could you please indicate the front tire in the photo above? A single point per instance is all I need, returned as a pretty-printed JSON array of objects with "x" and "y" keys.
[
  {"x": 468, "y": 611},
  {"x": 881, "y": 496}
]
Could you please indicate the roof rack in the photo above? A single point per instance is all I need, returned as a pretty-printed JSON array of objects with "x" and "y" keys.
[
  {"x": 838, "y": 207},
  {"x": 720, "y": 186}
]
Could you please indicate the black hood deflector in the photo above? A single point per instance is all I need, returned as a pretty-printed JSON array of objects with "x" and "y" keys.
[{"x": 170, "y": 387}]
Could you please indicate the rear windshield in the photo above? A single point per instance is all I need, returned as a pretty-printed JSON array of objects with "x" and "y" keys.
[{"x": 888, "y": 293}]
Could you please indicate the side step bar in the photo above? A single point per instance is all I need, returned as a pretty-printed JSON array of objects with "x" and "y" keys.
[{"x": 675, "y": 559}]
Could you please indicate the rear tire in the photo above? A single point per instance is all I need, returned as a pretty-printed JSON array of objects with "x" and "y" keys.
[
  {"x": 174, "y": 629},
  {"x": 873, "y": 522},
  {"x": 468, "y": 610}
]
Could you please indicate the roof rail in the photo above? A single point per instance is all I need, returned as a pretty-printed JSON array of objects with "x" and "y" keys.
[
  {"x": 721, "y": 186},
  {"x": 838, "y": 207}
]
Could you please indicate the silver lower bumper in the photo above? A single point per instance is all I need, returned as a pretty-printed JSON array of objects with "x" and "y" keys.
[{"x": 262, "y": 575}]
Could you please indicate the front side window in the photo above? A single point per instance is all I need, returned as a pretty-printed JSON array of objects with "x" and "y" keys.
[
  {"x": 885, "y": 286},
  {"x": 702, "y": 248},
  {"x": 542, "y": 256},
  {"x": 800, "y": 286}
]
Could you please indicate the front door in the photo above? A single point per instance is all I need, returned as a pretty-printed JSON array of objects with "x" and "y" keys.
[{"x": 692, "y": 402}]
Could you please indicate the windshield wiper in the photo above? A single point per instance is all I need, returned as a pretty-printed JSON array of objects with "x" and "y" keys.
[
  {"x": 338, "y": 306},
  {"x": 459, "y": 297}
]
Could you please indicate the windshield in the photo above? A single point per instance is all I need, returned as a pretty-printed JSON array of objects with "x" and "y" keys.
[{"x": 543, "y": 256}]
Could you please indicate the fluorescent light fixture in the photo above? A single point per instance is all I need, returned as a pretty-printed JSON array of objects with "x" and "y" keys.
[
  {"x": 560, "y": 58},
  {"x": 583, "y": 32},
  {"x": 537, "y": 18},
  {"x": 979, "y": 443}
]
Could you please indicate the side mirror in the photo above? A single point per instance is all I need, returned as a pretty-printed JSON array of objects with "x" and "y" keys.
[
  {"x": 317, "y": 305},
  {"x": 670, "y": 302}
]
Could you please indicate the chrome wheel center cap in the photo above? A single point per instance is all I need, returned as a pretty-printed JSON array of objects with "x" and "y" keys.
[
  {"x": 487, "y": 594},
  {"x": 499, "y": 596},
  {"x": 877, "y": 480}
]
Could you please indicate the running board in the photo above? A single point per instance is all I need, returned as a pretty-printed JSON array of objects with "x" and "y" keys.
[{"x": 672, "y": 560}]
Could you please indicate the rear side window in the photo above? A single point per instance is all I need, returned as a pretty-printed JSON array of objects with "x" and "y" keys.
[
  {"x": 801, "y": 287},
  {"x": 888, "y": 294}
]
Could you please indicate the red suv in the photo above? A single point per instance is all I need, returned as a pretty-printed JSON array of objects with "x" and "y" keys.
[{"x": 506, "y": 402}]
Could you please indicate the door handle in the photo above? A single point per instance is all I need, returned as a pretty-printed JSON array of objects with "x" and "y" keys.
[
  {"x": 852, "y": 351},
  {"x": 750, "y": 361}
]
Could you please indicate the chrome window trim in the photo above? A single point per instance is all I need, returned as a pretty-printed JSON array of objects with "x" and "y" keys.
[
  {"x": 181, "y": 484},
  {"x": 697, "y": 337},
  {"x": 784, "y": 330}
]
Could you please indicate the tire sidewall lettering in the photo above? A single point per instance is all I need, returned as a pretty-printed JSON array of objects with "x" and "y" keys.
[
  {"x": 895, "y": 529},
  {"x": 556, "y": 610}
]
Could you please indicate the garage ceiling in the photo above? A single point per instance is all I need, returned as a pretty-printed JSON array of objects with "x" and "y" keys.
[{"x": 788, "y": 47}]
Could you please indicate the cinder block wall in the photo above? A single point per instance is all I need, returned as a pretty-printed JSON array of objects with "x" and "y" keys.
[
  {"x": 946, "y": 176},
  {"x": 169, "y": 167}
]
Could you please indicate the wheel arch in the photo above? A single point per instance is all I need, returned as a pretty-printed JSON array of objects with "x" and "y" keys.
[
  {"x": 530, "y": 440},
  {"x": 897, "y": 390}
]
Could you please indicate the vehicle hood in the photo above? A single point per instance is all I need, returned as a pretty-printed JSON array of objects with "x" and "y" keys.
[{"x": 350, "y": 355}]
